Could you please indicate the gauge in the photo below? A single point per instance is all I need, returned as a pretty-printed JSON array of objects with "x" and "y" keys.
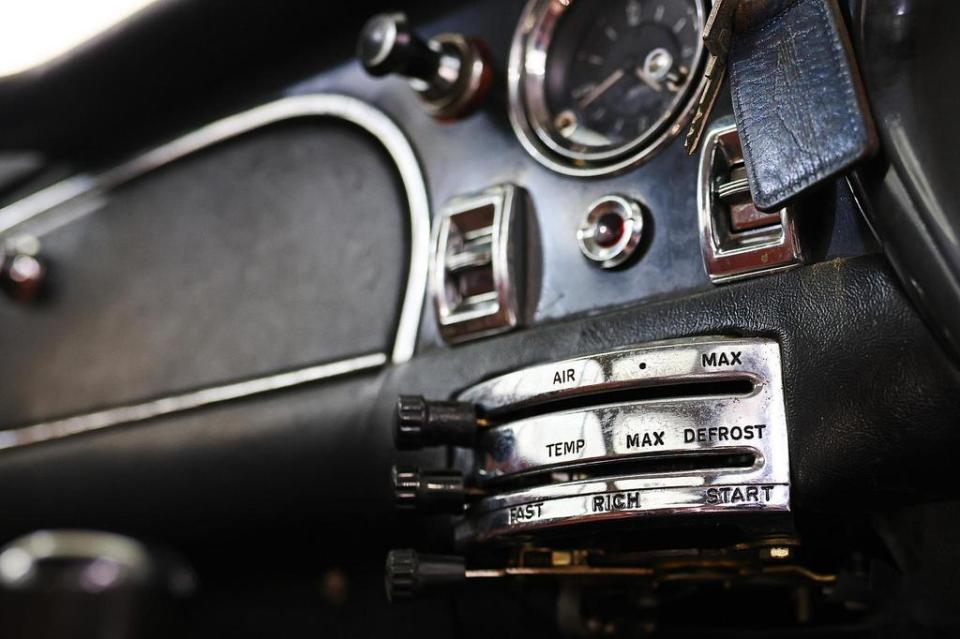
[{"x": 599, "y": 85}]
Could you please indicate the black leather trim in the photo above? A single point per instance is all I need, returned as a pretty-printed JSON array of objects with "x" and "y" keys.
[
  {"x": 871, "y": 402},
  {"x": 871, "y": 398}
]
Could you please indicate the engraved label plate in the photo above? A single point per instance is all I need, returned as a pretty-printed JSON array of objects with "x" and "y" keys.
[
  {"x": 663, "y": 363},
  {"x": 622, "y": 431},
  {"x": 620, "y": 499}
]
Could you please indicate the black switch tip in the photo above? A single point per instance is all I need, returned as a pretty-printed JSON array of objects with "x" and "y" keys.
[
  {"x": 419, "y": 423},
  {"x": 410, "y": 574}
]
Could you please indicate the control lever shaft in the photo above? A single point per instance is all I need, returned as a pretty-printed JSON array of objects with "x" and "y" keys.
[{"x": 429, "y": 492}]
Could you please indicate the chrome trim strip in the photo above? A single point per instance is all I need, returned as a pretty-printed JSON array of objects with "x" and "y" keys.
[
  {"x": 46, "y": 431},
  {"x": 342, "y": 107}
]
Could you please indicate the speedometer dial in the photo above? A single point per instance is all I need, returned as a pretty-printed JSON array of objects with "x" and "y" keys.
[{"x": 597, "y": 85}]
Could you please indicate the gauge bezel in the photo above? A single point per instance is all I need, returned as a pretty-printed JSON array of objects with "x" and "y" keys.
[{"x": 531, "y": 119}]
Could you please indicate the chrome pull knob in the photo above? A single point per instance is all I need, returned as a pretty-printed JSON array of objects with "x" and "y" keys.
[
  {"x": 388, "y": 45},
  {"x": 450, "y": 73}
]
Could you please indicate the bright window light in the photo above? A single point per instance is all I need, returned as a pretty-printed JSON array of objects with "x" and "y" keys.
[{"x": 35, "y": 31}]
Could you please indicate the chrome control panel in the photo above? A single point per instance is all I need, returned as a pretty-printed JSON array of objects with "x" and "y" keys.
[{"x": 670, "y": 430}]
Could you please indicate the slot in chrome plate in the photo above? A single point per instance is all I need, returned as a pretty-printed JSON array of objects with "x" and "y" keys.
[
  {"x": 624, "y": 431},
  {"x": 701, "y": 359},
  {"x": 578, "y": 442}
]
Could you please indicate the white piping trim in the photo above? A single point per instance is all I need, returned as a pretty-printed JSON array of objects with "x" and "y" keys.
[{"x": 46, "y": 431}]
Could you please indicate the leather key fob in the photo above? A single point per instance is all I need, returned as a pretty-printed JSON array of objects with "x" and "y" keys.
[{"x": 797, "y": 96}]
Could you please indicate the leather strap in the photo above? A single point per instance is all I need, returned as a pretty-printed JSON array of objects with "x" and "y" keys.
[{"x": 797, "y": 97}]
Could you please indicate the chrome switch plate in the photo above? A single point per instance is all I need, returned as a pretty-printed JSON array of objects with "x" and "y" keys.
[
  {"x": 475, "y": 270},
  {"x": 593, "y": 462}
]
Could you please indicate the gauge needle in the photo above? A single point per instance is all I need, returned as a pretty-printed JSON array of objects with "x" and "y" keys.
[
  {"x": 648, "y": 79},
  {"x": 601, "y": 88}
]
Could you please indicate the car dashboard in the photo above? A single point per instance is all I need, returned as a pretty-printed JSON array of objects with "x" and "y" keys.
[{"x": 478, "y": 300}]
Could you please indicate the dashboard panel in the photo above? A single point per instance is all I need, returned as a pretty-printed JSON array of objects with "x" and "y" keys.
[{"x": 238, "y": 287}]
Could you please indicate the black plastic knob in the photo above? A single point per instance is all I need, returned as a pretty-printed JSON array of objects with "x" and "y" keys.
[
  {"x": 421, "y": 423},
  {"x": 388, "y": 45},
  {"x": 410, "y": 574},
  {"x": 429, "y": 492}
]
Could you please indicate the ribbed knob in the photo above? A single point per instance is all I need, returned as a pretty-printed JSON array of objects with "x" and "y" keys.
[
  {"x": 419, "y": 423},
  {"x": 411, "y": 417},
  {"x": 429, "y": 492},
  {"x": 409, "y": 574}
]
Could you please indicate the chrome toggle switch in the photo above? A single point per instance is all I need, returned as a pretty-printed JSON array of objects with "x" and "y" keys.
[
  {"x": 476, "y": 267},
  {"x": 738, "y": 240}
]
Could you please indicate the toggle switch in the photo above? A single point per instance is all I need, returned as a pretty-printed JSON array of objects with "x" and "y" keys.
[{"x": 419, "y": 423}]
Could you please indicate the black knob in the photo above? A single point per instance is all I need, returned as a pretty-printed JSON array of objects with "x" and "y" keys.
[
  {"x": 422, "y": 423},
  {"x": 409, "y": 574},
  {"x": 429, "y": 492},
  {"x": 388, "y": 45}
]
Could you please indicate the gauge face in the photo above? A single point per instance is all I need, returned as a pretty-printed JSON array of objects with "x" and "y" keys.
[{"x": 601, "y": 81}]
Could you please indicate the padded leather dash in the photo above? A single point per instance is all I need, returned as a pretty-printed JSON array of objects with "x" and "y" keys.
[{"x": 283, "y": 248}]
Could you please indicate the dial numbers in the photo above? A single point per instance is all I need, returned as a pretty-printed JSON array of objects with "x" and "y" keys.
[{"x": 634, "y": 56}]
